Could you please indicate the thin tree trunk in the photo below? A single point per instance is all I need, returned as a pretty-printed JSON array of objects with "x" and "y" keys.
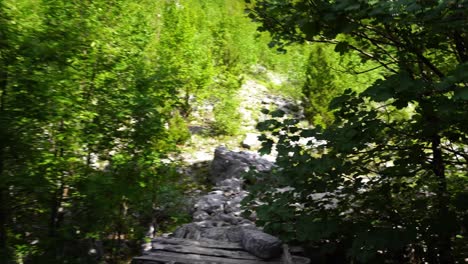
[
  {"x": 444, "y": 236},
  {"x": 3, "y": 213},
  {"x": 56, "y": 203},
  {"x": 3, "y": 188}
]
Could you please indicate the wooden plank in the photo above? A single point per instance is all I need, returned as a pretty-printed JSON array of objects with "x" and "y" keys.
[
  {"x": 206, "y": 243},
  {"x": 234, "y": 254},
  {"x": 164, "y": 256},
  {"x": 287, "y": 258},
  {"x": 171, "y": 257}
]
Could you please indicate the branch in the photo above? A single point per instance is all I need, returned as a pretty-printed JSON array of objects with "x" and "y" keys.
[
  {"x": 456, "y": 152},
  {"x": 376, "y": 44},
  {"x": 460, "y": 47},
  {"x": 412, "y": 48},
  {"x": 371, "y": 56},
  {"x": 348, "y": 70}
]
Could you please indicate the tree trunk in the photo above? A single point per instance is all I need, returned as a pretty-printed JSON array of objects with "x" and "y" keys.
[
  {"x": 56, "y": 216},
  {"x": 3, "y": 187},
  {"x": 3, "y": 213},
  {"x": 443, "y": 234}
]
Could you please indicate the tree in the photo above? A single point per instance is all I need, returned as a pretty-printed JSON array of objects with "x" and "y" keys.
[
  {"x": 184, "y": 64},
  {"x": 319, "y": 87},
  {"x": 327, "y": 75},
  {"x": 82, "y": 128},
  {"x": 5, "y": 60},
  {"x": 386, "y": 180}
]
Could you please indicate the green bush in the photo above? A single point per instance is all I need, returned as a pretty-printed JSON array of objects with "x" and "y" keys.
[
  {"x": 227, "y": 117},
  {"x": 178, "y": 129}
]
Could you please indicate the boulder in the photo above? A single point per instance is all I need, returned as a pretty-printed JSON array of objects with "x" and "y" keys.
[
  {"x": 231, "y": 184},
  {"x": 236, "y": 233},
  {"x": 216, "y": 233},
  {"x": 200, "y": 216},
  {"x": 211, "y": 203},
  {"x": 228, "y": 164},
  {"x": 188, "y": 231},
  {"x": 261, "y": 244}
]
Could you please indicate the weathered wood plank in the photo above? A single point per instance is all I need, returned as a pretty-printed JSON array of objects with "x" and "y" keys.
[
  {"x": 286, "y": 258},
  {"x": 171, "y": 257},
  {"x": 186, "y": 249},
  {"x": 197, "y": 259},
  {"x": 206, "y": 243}
]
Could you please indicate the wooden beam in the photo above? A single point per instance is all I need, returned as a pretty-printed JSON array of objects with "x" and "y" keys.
[
  {"x": 172, "y": 257},
  {"x": 206, "y": 243},
  {"x": 233, "y": 254}
]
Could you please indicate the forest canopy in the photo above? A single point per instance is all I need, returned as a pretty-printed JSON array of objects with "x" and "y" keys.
[
  {"x": 388, "y": 181},
  {"x": 97, "y": 96},
  {"x": 94, "y": 97}
]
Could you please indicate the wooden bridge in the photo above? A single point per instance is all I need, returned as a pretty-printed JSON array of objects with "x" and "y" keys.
[{"x": 206, "y": 251}]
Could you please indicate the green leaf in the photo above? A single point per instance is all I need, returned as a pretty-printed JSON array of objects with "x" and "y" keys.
[
  {"x": 382, "y": 90},
  {"x": 461, "y": 93},
  {"x": 266, "y": 148},
  {"x": 277, "y": 113},
  {"x": 342, "y": 47}
]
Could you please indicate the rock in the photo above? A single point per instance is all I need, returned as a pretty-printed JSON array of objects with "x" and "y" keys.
[
  {"x": 258, "y": 69},
  {"x": 252, "y": 216},
  {"x": 267, "y": 100},
  {"x": 228, "y": 164},
  {"x": 275, "y": 78},
  {"x": 206, "y": 224},
  {"x": 261, "y": 244},
  {"x": 246, "y": 222},
  {"x": 228, "y": 219},
  {"x": 231, "y": 184},
  {"x": 236, "y": 233},
  {"x": 251, "y": 141},
  {"x": 216, "y": 233},
  {"x": 211, "y": 203},
  {"x": 232, "y": 207},
  {"x": 188, "y": 231},
  {"x": 217, "y": 218},
  {"x": 200, "y": 216}
]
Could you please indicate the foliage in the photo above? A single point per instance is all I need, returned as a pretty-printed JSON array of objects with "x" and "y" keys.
[
  {"x": 328, "y": 74},
  {"x": 94, "y": 95},
  {"x": 184, "y": 63},
  {"x": 227, "y": 117},
  {"x": 319, "y": 87},
  {"x": 178, "y": 130},
  {"x": 83, "y": 133},
  {"x": 385, "y": 179}
]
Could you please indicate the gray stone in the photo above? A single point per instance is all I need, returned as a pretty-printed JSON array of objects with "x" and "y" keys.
[
  {"x": 251, "y": 141},
  {"x": 200, "y": 216},
  {"x": 261, "y": 244},
  {"x": 228, "y": 219},
  {"x": 211, "y": 203},
  {"x": 206, "y": 223},
  {"x": 188, "y": 231},
  {"x": 235, "y": 213},
  {"x": 219, "y": 233},
  {"x": 232, "y": 207},
  {"x": 216, "y": 233},
  {"x": 246, "y": 222},
  {"x": 216, "y": 192},
  {"x": 228, "y": 164},
  {"x": 231, "y": 184},
  {"x": 236, "y": 233}
]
